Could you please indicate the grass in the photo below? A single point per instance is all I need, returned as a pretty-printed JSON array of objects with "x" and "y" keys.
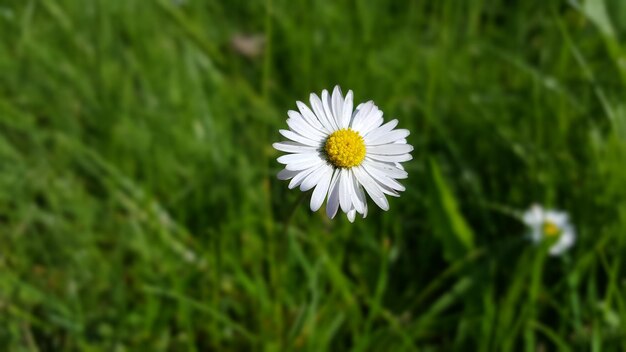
[{"x": 139, "y": 208}]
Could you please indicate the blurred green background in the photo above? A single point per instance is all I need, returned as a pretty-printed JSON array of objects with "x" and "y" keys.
[{"x": 139, "y": 208}]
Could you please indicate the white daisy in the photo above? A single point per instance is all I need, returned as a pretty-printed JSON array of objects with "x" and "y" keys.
[
  {"x": 550, "y": 224},
  {"x": 340, "y": 152}
]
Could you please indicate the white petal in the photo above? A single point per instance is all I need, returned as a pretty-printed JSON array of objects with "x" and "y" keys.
[
  {"x": 382, "y": 129},
  {"x": 319, "y": 194},
  {"x": 566, "y": 240},
  {"x": 318, "y": 107},
  {"x": 388, "y": 168},
  {"x": 388, "y": 137},
  {"x": 568, "y": 236},
  {"x": 346, "y": 114},
  {"x": 300, "y": 120},
  {"x": 332, "y": 204},
  {"x": 559, "y": 218},
  {"x": 299, "y": 158},
  {"x": 380, "y": 177},
  {"x": 556, "y": 250},
  {"x": 351, "y": 214},
  {"x": 297, "y": 180},
  {"x": 358, "y": 197},
  {"x": 534, "y": 215},
  {"x": 304, "y": 165},
  {"x": 337, "y": 105},
  {"x": 311, "y": 117},
  {"x": 313, "y": 178},
  {"x": 390, "y": 149},
  {"x": 327, "y": 110},
  {"x": 391, "y": 158},
  {"x": 293, "y": 147},
  {"x": 387, "y": 190},
  {"x": 304, "y": 129},
  {"x": 345, "y": 185},
  {"x": 285, "y": 174},
  {"x": 371, "y": 187},
  {"x": 300, "y": 139},
  {"x": 361, "y": 112},
  {"x": 372, "y": 122}
]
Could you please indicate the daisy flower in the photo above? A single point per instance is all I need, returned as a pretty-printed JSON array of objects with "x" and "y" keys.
[
  {"x": 341, "y": 152},
  {"x": 550, "y": 224}
]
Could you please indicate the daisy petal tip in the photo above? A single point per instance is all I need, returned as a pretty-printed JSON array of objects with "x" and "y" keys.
[
  {"x": 285, "y": 174},
  {"x": 315, "y": 206},
  {"x": 351, "y": 215}
]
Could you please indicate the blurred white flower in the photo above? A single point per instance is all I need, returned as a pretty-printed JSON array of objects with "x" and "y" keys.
[
  {"x": 547, "y": 224},
  {"x": 340, "y": 152}
]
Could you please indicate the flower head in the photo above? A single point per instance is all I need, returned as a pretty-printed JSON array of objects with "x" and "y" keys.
[
  {"x": 343, "y": 153},
  {"x": 549, "y": 224}
]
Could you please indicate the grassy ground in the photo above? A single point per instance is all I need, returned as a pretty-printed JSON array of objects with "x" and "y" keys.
[{"x": 139, "y": 208}]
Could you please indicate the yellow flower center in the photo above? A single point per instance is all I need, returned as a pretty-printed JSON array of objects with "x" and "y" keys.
[
  {"x": 550, "y": 229},
  {"x": 345, "y": 148}
]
